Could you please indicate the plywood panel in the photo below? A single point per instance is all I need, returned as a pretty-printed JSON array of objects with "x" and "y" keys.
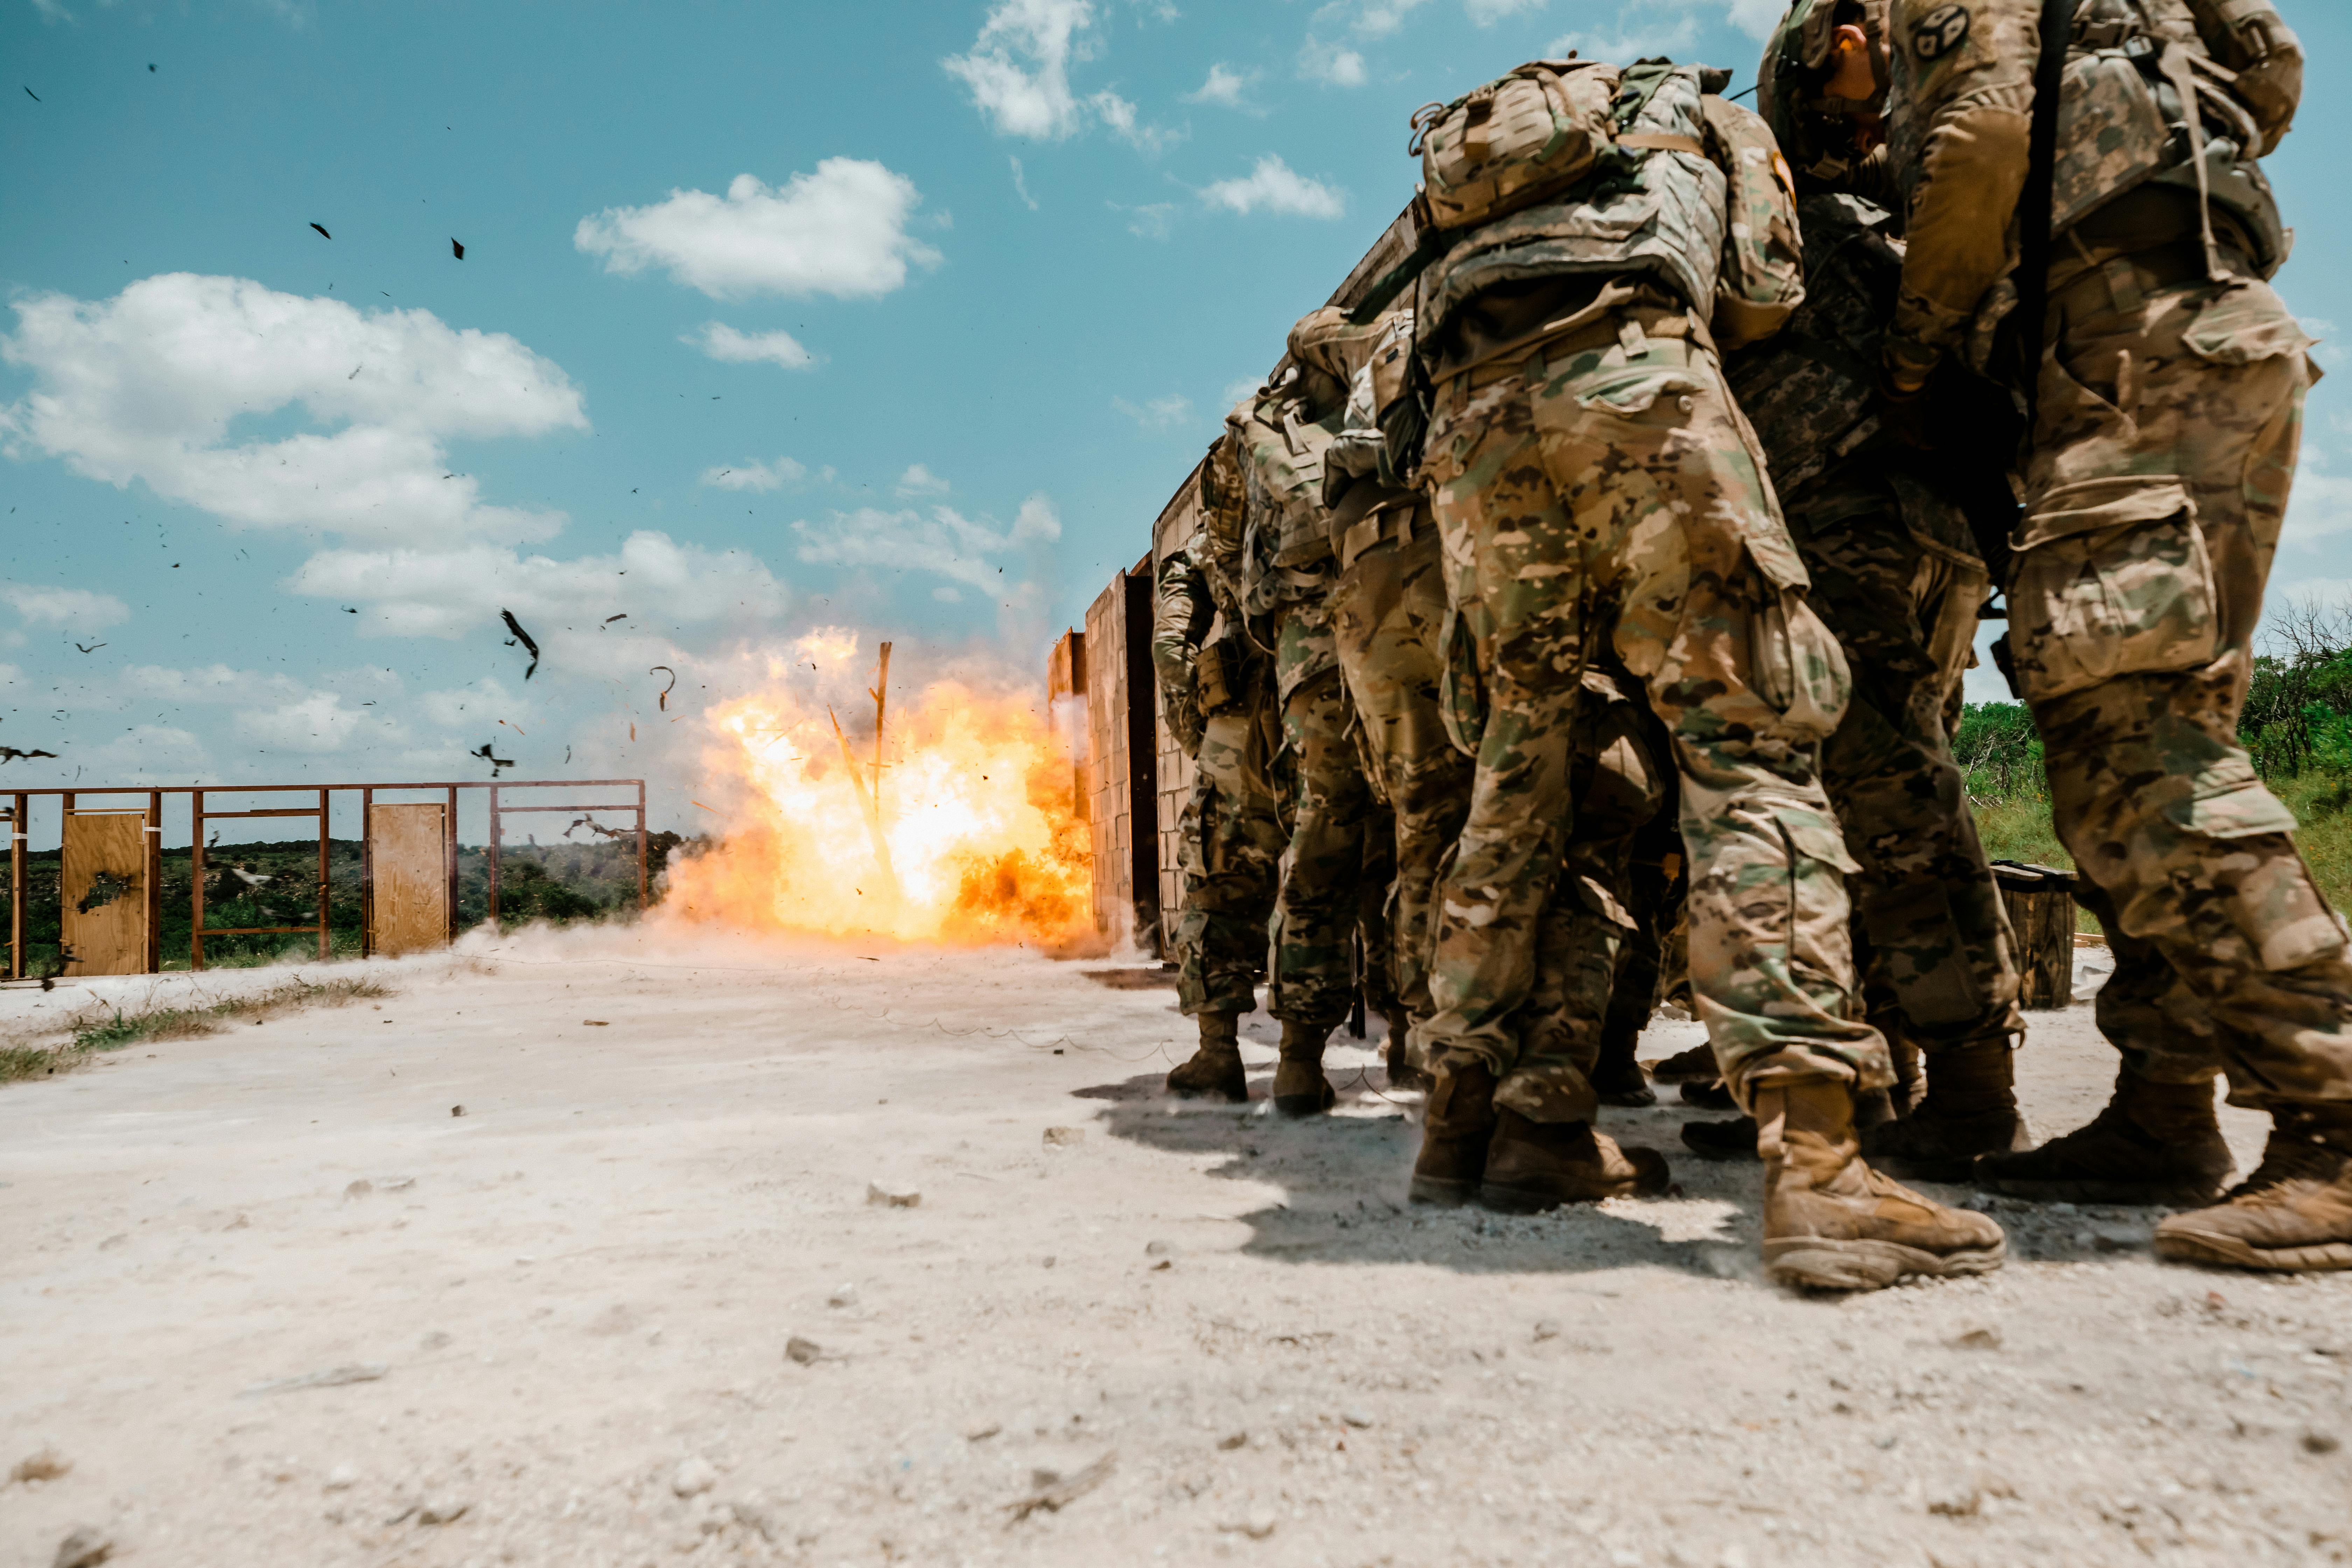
[
  {"x": 408, "y": 872},
  {"x": 1105, "y": 695},
  {"x": 105, "y": 922}
]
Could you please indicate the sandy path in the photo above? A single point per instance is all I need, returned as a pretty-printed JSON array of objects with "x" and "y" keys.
[{"x": 590, "y": 1278}]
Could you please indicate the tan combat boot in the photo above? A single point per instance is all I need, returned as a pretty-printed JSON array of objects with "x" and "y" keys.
[
  {"x": 2154, "y": 1144},
  {"x": 1971, "y": 1110},
  {"x": 1398, "y": 1058},
  {"x": 2294, "y": 1214},
  {"x": 1456, "y": 1125},
  {"x": 1299, "y": 1086},
  {"x": 1832, "y": 1223},
  {"x": 1537, "y": 1166},
  {"x": 1215, "y": 1070}
]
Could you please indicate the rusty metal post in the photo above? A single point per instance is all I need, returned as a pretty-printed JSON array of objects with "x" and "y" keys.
[
  {"x": 18, "y": 825},
  {"x": 322, "y": 876},
  {"x": 450, "y": 856},
  {"x": 493, "y": 857},
  {"x": 154, "y": 836},
  {"x": 641, "y": 846},
  {"x": 195, "y": 878}
]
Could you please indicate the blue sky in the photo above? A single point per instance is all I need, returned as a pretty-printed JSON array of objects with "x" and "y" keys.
[{"x": 900, "y": 318}]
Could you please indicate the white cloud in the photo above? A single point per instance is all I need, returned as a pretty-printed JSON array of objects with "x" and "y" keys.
[
  {"x": 1634, "y": 37},
  {"x": 723, "y": 343},
  {"x": 840, "y": 231},
  {"x": 755, "y": 476},
  {"x": 148, "y": 386},
  {"x": 1757, "y": 18},
  {"x": 2320, "y": 504},
  {"x": 316, "y": 723},
  {"x": 1486, "y": 13},
  {"x": 659, "y": 583},
  {"x": 1330, "y": 64},
  {"x": 1234, "y": 391},
  {"x": 76, "y": 608},
  {"x": 919, "y": 480},
  {"x": 1375, "y": 18},
  {"x": 1120, "y": 116},
  {"x": 1273, "y": 186},
  {"x": 943, "y": 542},
  {"x": 1150, "y": 221},
  {"x": 1021, "y": 185},
  {"x": 1018, "y": 70},
  {"x": 1160, "y": 414},
  {"x": 1225, "y": 87}
]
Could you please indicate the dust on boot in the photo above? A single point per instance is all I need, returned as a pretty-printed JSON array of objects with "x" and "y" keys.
[
  {"x": 2294, "y": 1214},
  {"x": 1832, "y": 1223},
  {"x": 1456, "y": 1125},
  {"x": 1537, "y": 1166},
  {"x": 1971, "y": 1109},
  {"x": 1299, "y": 1086},
  {"x": 2153, "y": 1143},
  {"x": 1215, "y": 1071}
]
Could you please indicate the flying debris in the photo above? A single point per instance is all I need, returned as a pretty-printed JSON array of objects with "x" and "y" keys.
[
  {"x": 320, "y": 227},
  {"x": 458, "y": 250},
  {"x": 622, "y": 616},
  {"x": 89, "y": 647},
  {"x": 663, "y": 701},
  {"x": 498, "y": 765},
  {"x": 601, "y": 831},
  {"x": 523, "y": 637},
  {"x": 10, "y": 753},
  {"x": 348, "y": 611},
  {"x": 31, "y": 94}
]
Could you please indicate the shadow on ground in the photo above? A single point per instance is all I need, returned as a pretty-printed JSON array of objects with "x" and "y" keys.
[{"x": 1344, "y": 1178}]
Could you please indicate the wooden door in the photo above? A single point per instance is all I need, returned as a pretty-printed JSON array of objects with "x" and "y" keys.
[
  {"x": 408, "y": 874},
  {"x": 105, "y": 919}
]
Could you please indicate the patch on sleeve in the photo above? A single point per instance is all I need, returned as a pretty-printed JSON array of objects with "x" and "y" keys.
[{"x": 1939, "y": 32}]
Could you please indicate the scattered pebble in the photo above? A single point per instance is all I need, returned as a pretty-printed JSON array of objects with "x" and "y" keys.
[
  {"x": 1547, "y": 1328},
  {"x": 1257, "y": 1526},
  {"x": 693, "y": 1477},
  {"x": 443, "y": 1511},
  {"x": 805, "y": 1351},
  {"x": 983, "y": 1434},
  {"x": 358, "y": 1189},
  {"x": 85, "y": 1548},
  {"x": 1233, "y": 1440},
  {"x": 2321, "y": 1442},
  {"x": 1065, "y": 1137},
  {"x": 1983, "y": 1337},
  {"x": 1356, "y": 1418},
  {"x": 111, "y": 1242},
  {"x": 1156, "y": 1250},
  {"x": 343, "y": 1478},
  {"x": 843, "y": 1296},
  {"x": 46, "y": 1466},
  {"x": 456, "y": 1111},
  {"x": 892, "y": 1197}
]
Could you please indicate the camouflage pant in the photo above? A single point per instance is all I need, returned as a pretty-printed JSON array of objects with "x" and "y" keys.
[
  {"x": 1602, "y": 492},
  {"x": 1387, "y": 610},
  {"x": 2169, "y": 417},
  {"x": 1336, "y": 817},
  {"x": 1228, "y": 848},
  {"x": 1936, "y": 950}
]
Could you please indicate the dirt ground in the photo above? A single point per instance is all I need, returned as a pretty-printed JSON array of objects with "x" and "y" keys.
[{"x": 639, "y": 1302}]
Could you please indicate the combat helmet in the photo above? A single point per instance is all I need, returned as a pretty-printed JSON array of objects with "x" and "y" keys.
[{"x": 1814, "y": 130}]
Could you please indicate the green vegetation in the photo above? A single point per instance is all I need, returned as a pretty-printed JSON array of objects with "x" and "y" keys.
[
  {"x": 2298, "y": 725},
  {"x": 557, "y": 882},
  {"x": 102, "y": 1028}
]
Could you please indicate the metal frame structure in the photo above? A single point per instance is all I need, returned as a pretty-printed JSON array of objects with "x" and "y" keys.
[{"x": 16, "y": 815}]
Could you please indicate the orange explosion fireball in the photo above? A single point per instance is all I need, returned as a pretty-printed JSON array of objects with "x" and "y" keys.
[{"x": 976, "y": 814}]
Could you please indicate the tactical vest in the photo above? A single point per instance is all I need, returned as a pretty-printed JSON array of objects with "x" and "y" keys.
[
  {"x": 1657, "y": 212},
  {"x": 1281, "y": 451}
]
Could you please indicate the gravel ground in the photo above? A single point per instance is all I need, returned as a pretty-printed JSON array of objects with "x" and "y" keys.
[{"x": 268, "y": 1300}]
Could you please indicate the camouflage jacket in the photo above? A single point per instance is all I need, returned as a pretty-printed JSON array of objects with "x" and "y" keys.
[{"x": 1959, "y": 113}]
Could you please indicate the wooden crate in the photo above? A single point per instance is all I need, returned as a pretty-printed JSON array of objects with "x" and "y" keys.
[{"x": 2041, "y": 904}]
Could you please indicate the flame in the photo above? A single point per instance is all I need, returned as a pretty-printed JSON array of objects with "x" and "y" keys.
[{"x": 978, "y": 810}]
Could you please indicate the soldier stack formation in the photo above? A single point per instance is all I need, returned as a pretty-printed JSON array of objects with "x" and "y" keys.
[{"x": 1609, "y": 572}]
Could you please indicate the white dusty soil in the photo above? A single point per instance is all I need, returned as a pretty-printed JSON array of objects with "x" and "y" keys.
[{"x": 579, "y": 1293}]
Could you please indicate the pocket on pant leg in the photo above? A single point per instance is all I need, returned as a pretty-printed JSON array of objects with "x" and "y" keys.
[
  {"x": 1461, "y": 694},
  {"x": 2111, "y": 578},
  {"x": 1797, "y": 666}
]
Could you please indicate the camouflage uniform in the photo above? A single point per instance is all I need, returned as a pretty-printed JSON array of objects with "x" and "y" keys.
[
  {"x": 2168, "y": 401},
  {"x": 1897, "y": 575},
  {"x": 1599, "y": 493},
  {"x": 1231, "y": 839},
  {"x": 1288, "y": 578}
]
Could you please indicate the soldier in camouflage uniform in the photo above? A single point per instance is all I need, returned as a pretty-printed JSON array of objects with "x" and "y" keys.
[
  {"x": 1281, "y": 437},
  {"x": 1599, "y": 493},
  {"x": 1217, "y": 690},
  {"x": 1898, "y": 576},
  {"x": 2168, "y": 395}
]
